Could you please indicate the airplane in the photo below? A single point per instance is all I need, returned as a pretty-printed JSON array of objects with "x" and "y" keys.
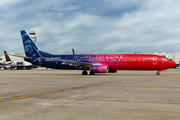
[
  {"x": 4, "y": 64},
  {"x": 95, "y": 63},
  {"x": 17, "y": 64}
]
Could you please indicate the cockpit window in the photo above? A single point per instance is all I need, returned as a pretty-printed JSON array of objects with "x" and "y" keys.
[{"x": 165, "y": 59}]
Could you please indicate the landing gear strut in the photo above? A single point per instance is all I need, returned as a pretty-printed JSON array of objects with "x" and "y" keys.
[
  {"x": 157, "y": 73},
  {"x": 91, "y": 73},
  {"x": 84, "y": 72}
]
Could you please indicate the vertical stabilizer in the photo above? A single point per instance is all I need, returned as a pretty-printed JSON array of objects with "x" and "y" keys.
[
  {"x": 28, "y": 43},
  {"x": 73, "y": 51},
  {"x": 7, "y": 57}
]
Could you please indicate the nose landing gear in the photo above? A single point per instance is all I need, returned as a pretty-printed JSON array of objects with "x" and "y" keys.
[{"x": 157, "y": 73}]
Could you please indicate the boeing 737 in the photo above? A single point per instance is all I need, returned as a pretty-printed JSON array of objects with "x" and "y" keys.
[{"x": 95, "y": 63}]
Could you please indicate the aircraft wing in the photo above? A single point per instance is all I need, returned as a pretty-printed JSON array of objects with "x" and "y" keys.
[
  {"x": 72, "y": 63},
  {"x": 9, "y": 62},
  {"x": 6, "y": 63},
  {"x": 20, "y": 56}
]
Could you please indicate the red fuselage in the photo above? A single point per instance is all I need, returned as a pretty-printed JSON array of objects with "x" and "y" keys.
[{"x": 133, "y": 61}]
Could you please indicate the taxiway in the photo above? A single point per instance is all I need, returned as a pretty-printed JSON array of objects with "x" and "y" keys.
[{"x": 69, "y": 95}]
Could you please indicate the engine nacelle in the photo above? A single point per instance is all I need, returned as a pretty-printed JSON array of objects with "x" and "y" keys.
[{"x": 99, "y": 69}]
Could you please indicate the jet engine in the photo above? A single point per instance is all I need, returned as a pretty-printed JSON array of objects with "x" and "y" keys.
[{"x": 99, "y": 69}]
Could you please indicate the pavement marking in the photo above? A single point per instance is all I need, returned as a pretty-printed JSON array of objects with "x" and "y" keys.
[{"x": 45, "y": 93}]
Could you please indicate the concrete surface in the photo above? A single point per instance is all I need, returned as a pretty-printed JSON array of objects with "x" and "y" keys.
[{"x": 131, "y": 96}]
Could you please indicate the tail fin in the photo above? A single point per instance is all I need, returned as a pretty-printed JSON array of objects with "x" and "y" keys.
[
  {"x": 73, "y": 51},
  {"x": 38, "y": 56},
  {"x": 28, "y": 43},
  {"x": 7, "y": 57}
]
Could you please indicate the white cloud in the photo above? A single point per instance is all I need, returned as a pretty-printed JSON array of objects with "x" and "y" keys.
[
  {"x": 97, "y": 26},
  {"x": 6, "y": 3}
]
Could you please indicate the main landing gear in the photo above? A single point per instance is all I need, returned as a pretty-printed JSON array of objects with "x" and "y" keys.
[
  {"x": 85, "y": 72},
  {"x": 91, "y": 73},
  {"x": 157, "y": 73}
]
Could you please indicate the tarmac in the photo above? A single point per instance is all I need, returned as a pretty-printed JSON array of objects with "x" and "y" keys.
[{"x": 67, "y": 95}]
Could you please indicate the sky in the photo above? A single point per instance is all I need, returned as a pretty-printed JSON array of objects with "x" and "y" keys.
[{"x": 92, "y": 26}]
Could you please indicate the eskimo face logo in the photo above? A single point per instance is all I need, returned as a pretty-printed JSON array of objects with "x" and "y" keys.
[{"x": 27, "y": 46}]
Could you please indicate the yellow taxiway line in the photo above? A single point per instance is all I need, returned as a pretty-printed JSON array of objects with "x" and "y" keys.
[{"x": 45, "y": 93}]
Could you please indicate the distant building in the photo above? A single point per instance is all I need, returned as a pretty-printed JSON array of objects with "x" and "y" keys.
[{"x": 32, "y": 36}]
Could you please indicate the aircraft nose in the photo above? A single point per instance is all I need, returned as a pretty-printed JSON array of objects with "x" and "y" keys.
[{"x": 172, "y": 64}]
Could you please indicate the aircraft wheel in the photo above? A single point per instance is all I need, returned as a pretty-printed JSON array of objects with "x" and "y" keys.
[
  {"x": 84, "y": 72},
  {"x": 157, "y": 73},
  {"x": 91, "y": 73}
]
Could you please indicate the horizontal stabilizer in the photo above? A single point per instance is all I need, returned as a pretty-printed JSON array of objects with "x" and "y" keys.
[{"x": 21, "y": 56}]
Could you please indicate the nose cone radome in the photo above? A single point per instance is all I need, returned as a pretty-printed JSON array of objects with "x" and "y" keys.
[{"x": 172, "y": 64}]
